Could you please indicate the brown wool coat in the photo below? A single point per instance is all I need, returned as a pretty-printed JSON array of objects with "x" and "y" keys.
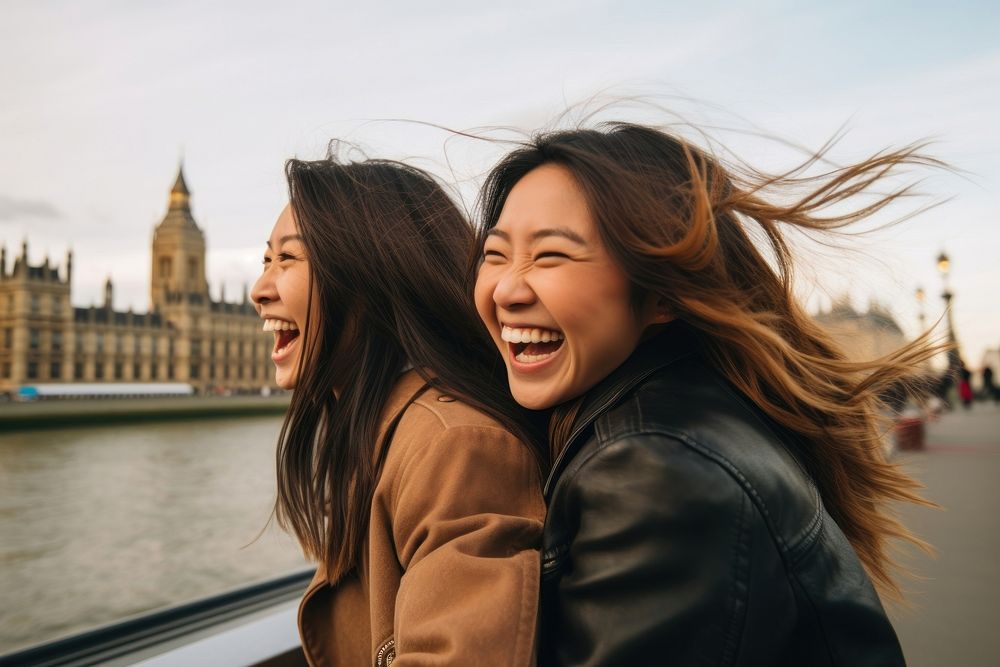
[{"x": 451, "y": 573}]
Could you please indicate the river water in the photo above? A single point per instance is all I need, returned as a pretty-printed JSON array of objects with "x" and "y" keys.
[{"x": 97, "y": 524}]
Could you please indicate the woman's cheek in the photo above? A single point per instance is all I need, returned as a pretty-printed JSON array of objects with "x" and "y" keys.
[{"x": 483, "y": 296}]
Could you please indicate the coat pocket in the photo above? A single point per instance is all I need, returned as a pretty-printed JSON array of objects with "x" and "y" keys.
[{"x": 386, "y": 653}]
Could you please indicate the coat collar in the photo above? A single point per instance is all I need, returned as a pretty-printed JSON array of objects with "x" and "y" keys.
[{"x": 676, "y": 341}]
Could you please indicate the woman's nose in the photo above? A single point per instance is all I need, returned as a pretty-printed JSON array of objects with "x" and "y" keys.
[
  {"x": 263, "y": 291},
  {"x": 513, "y": 291}
]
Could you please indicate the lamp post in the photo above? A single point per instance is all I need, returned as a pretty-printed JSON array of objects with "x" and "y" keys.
[
  {"x": 954, "y": 358},
  {"x": 921, "y": 295}
]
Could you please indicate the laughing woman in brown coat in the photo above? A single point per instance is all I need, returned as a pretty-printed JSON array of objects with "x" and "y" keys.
[{"x": 404, "y": 469}]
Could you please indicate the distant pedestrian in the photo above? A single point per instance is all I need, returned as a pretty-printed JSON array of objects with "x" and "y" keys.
[
  {"x": 990, "y": 390},
  {"x": 965, "y": 386},
  {"x": 942, "y": 388}
]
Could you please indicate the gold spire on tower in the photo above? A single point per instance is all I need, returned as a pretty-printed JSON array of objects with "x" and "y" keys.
[{"x": 179, "y": 194}]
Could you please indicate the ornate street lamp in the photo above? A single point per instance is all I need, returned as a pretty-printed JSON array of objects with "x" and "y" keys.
[
  {"x": 954, "y": 358},
  {"x": 921, "y": 295},
  {"x": 944, "y": 265}
]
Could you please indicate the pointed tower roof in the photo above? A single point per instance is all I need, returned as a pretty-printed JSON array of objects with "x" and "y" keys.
[
  {"x": 179, "y": 209},
  {"x": 180, "y": 186}
]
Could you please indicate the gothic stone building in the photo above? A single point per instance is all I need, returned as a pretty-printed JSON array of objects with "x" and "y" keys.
[
  {"x": 863, "y": 336},
  {"x": 186, "y": 336}
]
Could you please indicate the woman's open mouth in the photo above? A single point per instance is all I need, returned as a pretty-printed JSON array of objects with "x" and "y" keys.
[
  {"x": 285, "y": 335},
  {"x": 531, "y": 345}
]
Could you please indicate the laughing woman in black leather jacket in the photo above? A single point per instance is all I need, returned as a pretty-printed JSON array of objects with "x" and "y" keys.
[{"x": 719, "y": 493}]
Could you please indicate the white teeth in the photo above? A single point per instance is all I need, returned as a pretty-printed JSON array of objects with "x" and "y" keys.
[
  {"x": 279, "y": 325},
  {"x": 526, "y": 358},
  {"x": 519, "y": 335}
]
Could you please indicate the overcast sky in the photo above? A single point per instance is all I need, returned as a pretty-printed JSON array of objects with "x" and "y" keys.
[{"x": 100, "y": 99}]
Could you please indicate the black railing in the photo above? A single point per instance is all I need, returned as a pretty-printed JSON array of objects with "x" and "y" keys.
[{"x": 117, "y": 640}]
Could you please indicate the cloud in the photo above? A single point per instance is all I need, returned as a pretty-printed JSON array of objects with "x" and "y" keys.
[{"x": 14, "y": 209}]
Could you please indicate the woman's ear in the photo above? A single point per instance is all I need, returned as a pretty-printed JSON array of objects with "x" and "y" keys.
[
  {"x": 656, "y": 310},
  {"x": 655, "y": 314}
]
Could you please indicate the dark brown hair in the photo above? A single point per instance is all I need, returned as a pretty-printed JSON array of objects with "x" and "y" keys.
[
  {"x": 681, "y": 225},
  {"x": 387, "y": 251}
]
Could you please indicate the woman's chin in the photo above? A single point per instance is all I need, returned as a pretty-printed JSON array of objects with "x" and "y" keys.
[
  {"x": 285, "y": 379},
  {"x": 533, "y": 399}
]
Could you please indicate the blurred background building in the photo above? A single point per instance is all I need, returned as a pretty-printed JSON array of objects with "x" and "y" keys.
[
  {"x": 185, "y": 337},
  {"x": 864, "y": 336}
]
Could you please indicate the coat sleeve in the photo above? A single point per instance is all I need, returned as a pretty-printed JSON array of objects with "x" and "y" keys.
[
  {"x": 653, "y": 567},
  {"x": 467, "y": 521}
]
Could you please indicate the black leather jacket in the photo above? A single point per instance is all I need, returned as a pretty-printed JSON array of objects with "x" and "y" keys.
[{"x": 681, "y": 530}]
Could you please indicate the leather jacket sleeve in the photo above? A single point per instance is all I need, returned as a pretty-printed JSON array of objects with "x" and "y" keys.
[{"x": 654, "y": 568}]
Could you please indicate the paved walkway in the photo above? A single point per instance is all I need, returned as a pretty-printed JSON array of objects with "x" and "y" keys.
[{"x": 956, "y": 603}]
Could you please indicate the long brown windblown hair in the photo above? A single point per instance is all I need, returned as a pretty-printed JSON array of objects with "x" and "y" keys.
[
  {"x": 681, "y": 225},
  {"x": 387, "y": 250}
]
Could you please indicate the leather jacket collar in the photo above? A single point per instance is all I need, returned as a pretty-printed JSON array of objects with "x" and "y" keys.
[{"x": 677, "y": 341}]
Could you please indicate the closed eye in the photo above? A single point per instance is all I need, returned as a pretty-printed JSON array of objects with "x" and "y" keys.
[
  {"x": 551, "y": 255},
  {"x": 280, "y": 257},
  {"x": 493, "y": 254}
]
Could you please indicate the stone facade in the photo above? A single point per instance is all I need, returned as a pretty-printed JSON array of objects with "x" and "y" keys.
[
  {"x": 863, "y": 336},
  {"x": 186, "y": 337}
]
